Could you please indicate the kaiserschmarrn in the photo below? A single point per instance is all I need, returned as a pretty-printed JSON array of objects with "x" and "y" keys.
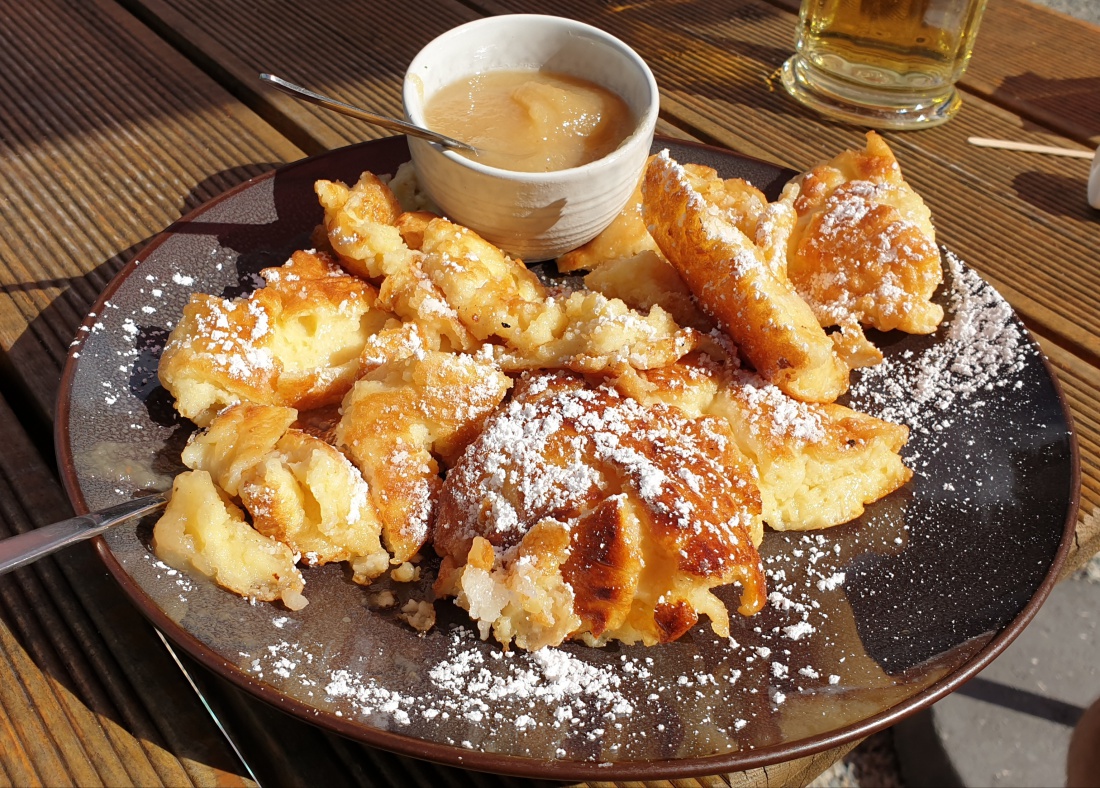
[
  {"x": 579, "y": 512},
  {"x": 586, "y": 462}
]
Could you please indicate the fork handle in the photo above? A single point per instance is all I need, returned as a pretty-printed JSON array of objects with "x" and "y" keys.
[{"x": 24, "y": 548}]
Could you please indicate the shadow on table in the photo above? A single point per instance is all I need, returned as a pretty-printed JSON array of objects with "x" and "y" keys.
[
  {"x": 1073, "y": 102},
  {"x": 1055, "y": 194}
]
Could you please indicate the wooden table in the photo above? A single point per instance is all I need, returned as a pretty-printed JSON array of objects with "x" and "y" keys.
[{"x": 116, "y": 117}]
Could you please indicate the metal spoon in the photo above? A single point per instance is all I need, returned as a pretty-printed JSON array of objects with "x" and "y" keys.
[
  {"x": 379, "y": 120},
  {"x": 25, "y": 548}
]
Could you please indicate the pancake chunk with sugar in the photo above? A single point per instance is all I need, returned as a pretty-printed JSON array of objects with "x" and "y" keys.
[
  {"x": 298, "y": 489},
  {"x": 202, "y": 529},
  {"x": 361, "y": 226},
  {"x": 588, "y": 332},
  {"x": 579, "y": 513},
  {"x": 402, "y": 414},
  {"x": 864, "y": 248},
  {"x": 625, "y": 262},
  {"x": 322, "y": 318},
  {"x": 485, "y": 293},
  {"x": 493, "y": 294},
  {"x": 736, "y": 283},
  {"x": 818, "y": 464},
  {"x": 310, "y": 497},
  {"x": 628, "y": 234},
  {"x": 738, "y": 201},
  {"x": 583, "y": 331},
  {"x": 466, "y": 291},
  {"x": 295, "y": 342}
]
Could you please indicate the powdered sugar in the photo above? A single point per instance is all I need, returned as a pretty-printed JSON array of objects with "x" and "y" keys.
[
  {"x": 980, "y": 349},
  {"x": 600, "y": 441}
]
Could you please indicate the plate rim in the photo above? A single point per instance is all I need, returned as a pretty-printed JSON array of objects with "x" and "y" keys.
[{"x": 518, "y": 765}]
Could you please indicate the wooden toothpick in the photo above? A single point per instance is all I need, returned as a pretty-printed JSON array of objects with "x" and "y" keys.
[{"x": 983, "y": 142}]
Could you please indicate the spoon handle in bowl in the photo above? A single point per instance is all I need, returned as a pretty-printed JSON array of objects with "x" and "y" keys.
[
  {"x": 400, "y": 126},
  {"x": 25, "y": 548}
]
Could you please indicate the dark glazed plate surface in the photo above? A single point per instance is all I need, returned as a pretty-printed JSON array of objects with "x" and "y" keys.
[{"x": 867, "y": 623}]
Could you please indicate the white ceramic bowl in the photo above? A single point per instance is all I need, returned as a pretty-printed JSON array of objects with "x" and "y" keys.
[{"x": 533, "y": 215}]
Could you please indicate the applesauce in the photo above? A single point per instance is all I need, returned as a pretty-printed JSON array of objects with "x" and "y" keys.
[{"x": 531, "y": 121}]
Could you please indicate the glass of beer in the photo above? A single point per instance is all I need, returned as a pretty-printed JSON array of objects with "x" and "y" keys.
[{"x": 890, "y": 64}]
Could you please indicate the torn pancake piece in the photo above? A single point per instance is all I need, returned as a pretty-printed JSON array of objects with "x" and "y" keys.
[
  {"x": 362, "y": 225},
  {"x": 589, "y": 332},
  {"x": 817, "y": 464},
  {"x": 579, "y": 513},
  {"x": 625, "y": 237},
  {"x": 645, "y": 281},
  {"x": 399, "y": 417},
  {"x": 494, "y": 294},
  {"x": 863, "y": 248},
  {"x": 737, "y": 284},
  {"x": 295, "y": 342},
  {"x": 237, "y": 440},
  {"x": 310, "y": 497},
  {"x": 201, "y": 529},
  {"x": 359, "y": 224},
  {"x": 298, "y": 489}
]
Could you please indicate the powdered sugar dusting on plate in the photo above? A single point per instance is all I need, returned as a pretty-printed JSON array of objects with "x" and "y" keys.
[{"x": 978, "y": 352}]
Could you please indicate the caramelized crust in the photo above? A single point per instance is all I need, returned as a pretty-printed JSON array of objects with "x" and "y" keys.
[
  {"x": 818, "y": 464},
  {"x": 863, "y": 248},
  {"x": 660, "y": 509},
  {"x": 735, "y": 283},
  {"x": 401, "y": 414},
  {"x": 604, "y": 564}
]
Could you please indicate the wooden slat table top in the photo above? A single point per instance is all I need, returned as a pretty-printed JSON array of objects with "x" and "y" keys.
[
  {"x": 104, "y": 141},
  {"x": 1041, "y": 65},
  {"x": 152, "y": 107}
]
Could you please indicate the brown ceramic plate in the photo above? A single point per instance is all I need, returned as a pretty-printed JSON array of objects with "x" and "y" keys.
[{"x": 868, "y": 622}]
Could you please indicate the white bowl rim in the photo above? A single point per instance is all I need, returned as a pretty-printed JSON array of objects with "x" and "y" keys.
[{"x": 643, "y": 128}]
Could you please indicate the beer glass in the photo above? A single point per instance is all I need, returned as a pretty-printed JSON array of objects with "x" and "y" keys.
[{"x": 890, "y": 64}]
